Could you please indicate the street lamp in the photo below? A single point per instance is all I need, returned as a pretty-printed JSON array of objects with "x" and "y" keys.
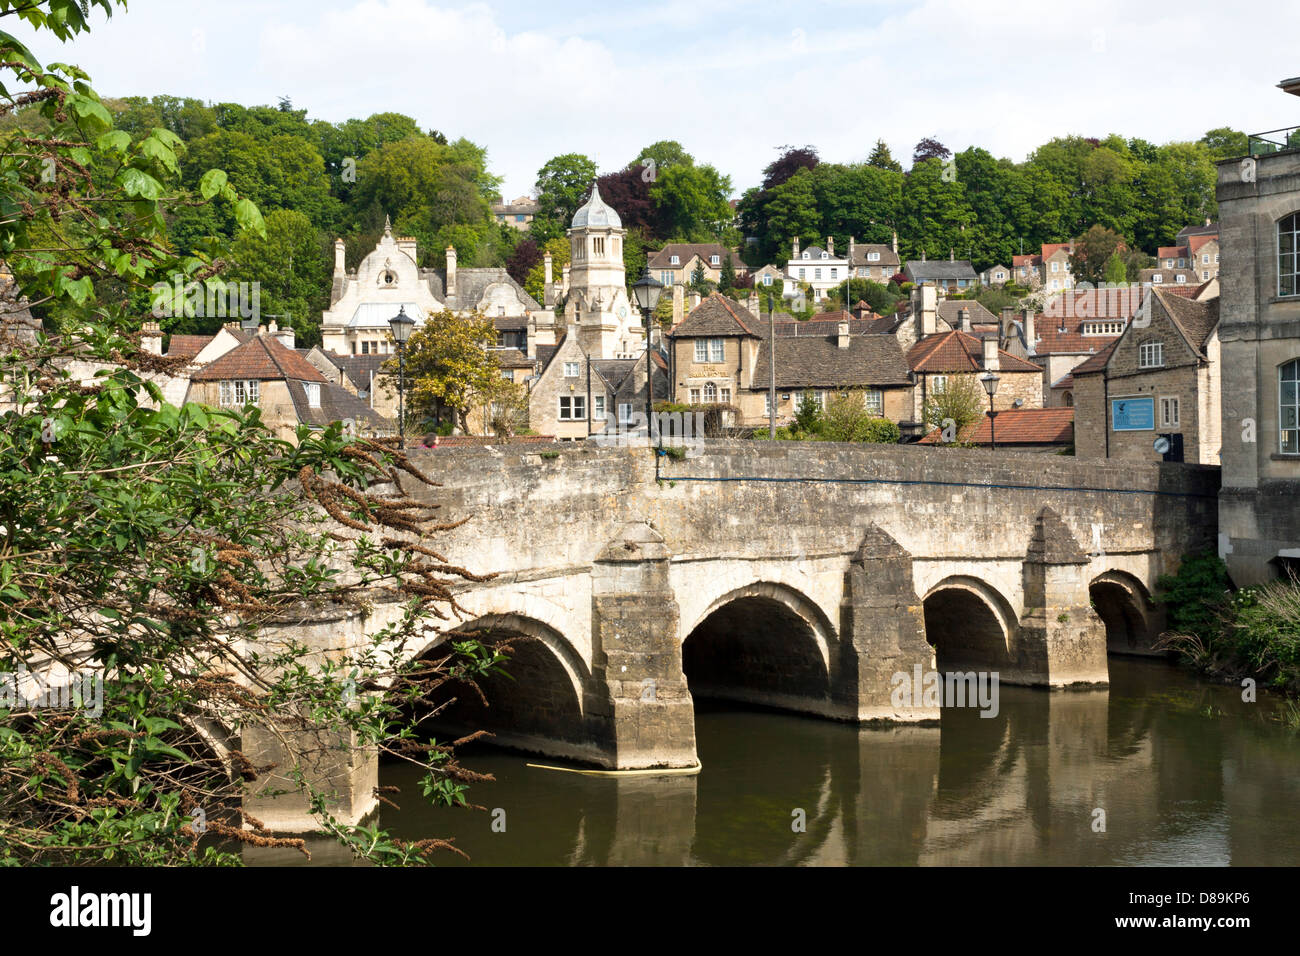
[
  {"x": 401, "y": 324},
  {"x": 646, "y": 291},
  {"x": 990, "y": 382}
]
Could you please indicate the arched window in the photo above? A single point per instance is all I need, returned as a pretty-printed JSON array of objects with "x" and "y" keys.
[
  {"x": 1069, "y": 399},
  {"x": 1288, "y": 411},
  {"x": 1288, "y": 251},
  {"x": 710, "y": 393}
]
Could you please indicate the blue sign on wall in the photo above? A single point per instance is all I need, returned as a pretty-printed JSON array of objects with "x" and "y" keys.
[{"x": 1133, "y": 414}]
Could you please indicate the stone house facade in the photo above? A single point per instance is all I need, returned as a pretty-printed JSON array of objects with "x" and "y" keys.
[
  {"x": 676, "y": 262},
  {"x": 873, "y": 260},
  {"x": 1259, "y": 210},
  {"x": 1158, "y": 382},
  {"x": 939, "y": 359}
]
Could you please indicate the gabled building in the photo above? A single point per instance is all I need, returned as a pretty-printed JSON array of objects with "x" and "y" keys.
[
  {"x": 939, "y": 359},
  {"x": 947, "y": 275},
  {"x": 517, "y": 214},
  {"x": 578, "y": 394},
  {"x": 1074, "y": 327},
  {"x": 874, "y": 261},
  {"x": 1154, "y": 393},
  {"x": 819, "y": 268},
  {"x": 675, "y": 263},
  {"x": 287, "y": 389},
  {"x": 996, "y": 275}
]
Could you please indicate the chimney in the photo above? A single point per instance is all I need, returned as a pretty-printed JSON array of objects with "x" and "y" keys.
[
  {"x": 852, "y": 247},
  {"x": 548, "y": 293},
  {"x": 796, "y": 248},
  {"x": 1008, "y": 317},
  {"x": 285, "y": 335},
  {"x": 991, "y": 362},
  {"x": 927, "y": 306},
  {"x": 340, "y": 257},
  {"x": 950, "y": 256},
  {"x": 830, "y": 246},
  {"x": 679, "y": 302},
  {"x": 694, "y": 301},
  {"x": 963, "y": 319},
  {"x": 922, "y": 255},
  {"x": 752, "y": 303},
  {"x": 564, "y": 279},
  {"x": 842, "y": 332},
  {"x": 151, "y": 338},
  {"x": 1031, "y": 340},
  {"x": 451, "y": 272},
  {"x": 894, "y": 242}
]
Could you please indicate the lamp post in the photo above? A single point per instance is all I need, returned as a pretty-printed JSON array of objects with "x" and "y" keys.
[
  {"x": 990, "y": 382},
  {"x": 401, "y": 324},
  {"x": 646, "y": 291},
  {"x": 771, "y": 366}
]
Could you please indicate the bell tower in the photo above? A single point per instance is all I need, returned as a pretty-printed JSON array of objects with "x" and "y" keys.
[{"x": 598, "y": 304}]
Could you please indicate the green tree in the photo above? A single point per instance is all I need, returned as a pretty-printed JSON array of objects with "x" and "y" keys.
[
  {"x": 1093, "y": 252},
  {"x": 563, "y": 184},
  {"x": 808, "y": 414},
  {"x": 691, "y": 202},
  {"x": 1115, "y": 272},
  {"x": 881, "y": 158},
  {"x": 165, "y": 540},
  {"x": 727, "y": 276},
  {"x": 291, "y": 265},
  {"x": 449, "y": 366},
  {"x": 847, "y": 419},
  {"x": 961, "y": 403},
  {"x": 1226, "y": 143}
]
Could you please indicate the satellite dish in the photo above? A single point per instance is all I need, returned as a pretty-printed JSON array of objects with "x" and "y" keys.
[
  {"x": 1161, "y": 445},
  {"x": 1017, "y": 403}
]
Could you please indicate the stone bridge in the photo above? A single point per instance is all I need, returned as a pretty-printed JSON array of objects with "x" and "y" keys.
[{"x": 794, "y": 575}]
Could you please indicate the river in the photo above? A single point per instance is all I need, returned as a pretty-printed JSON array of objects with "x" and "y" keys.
[{"x": 1160, "y": 768}]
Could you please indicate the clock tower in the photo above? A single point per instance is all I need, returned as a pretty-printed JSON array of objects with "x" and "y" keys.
[{"x": 597, "y": 304}]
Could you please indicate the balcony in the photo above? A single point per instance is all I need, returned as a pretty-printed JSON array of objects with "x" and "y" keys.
[{"x": 1274, "y": 141}]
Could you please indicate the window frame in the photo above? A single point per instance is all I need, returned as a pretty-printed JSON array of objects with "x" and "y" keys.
[
  {"x": 1157, "y": 347},
  {"x": 576, "y": 367},
  {"x": 1293, "y": 367},
  {"x": 1165, "y": 402},
  {"x": 1293, "y": 240}
]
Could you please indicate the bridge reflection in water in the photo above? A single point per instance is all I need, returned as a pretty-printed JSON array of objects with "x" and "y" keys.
[{"x": 1185, "y": 772}]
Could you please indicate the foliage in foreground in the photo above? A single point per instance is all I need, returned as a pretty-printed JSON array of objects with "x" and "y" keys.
[
  {"x": 145, "y": 548},
  {"x": 1252, "y": 632}
]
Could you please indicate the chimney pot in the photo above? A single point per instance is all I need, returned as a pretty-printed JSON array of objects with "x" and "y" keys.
[
  {"x": 991, "y": 359},
  {"x": 842, "y": 335}
]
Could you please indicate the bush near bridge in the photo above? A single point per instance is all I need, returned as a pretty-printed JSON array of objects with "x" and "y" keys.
[{"x": 1250, "y": 632}]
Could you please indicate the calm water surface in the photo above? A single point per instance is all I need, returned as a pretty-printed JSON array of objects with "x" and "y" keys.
[{"x": 1185, "y": 772}]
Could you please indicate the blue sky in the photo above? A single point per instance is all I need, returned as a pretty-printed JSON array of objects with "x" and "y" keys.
[{"x": 729, "y": 80}]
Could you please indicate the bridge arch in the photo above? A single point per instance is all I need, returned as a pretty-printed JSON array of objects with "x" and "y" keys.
[
  {"x": 539, "y": 707},
  {"x": 765, "y": 643},
  {"x": 970, "y": 624},
  {"x": 1125, "y": 606}
]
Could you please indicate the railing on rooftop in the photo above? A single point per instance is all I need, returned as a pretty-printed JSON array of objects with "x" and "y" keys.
[{"x": 1274, "y": 141}]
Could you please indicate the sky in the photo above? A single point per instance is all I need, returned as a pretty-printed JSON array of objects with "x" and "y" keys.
[{"x": 732, "y": 81}]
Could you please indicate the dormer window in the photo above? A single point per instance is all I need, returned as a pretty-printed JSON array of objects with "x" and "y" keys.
[
  {"x": 805, "y": 255},
  {"x": 674, "y": 260},
  {"x": 313, "y": 394},
  {"x": 873, "y": 257},
  {"x": 713, "y": 260},
  {"x": 825, "y": 255}
]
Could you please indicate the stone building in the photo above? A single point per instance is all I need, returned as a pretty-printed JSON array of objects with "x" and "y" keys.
[
  {"x": 816, "y": 267},
  {"x": 1154, "y": 392},
  {"x": 1074, "y": 327},
  {"x": 1259, "y": 216},
  {"x": 390, "y": 278},
  {"x": 287, "y": 389},
  {"x": 517, "y": 214},
  {"x": 720, "y": 355},
  {"x": 579, "y": 394},
  {"x": 939, "y": 359},
  {"x": 873, "y": 260},
  {"x": 948, "y": 275},
  {"x": 1021, "y": 429},
  {"x": 676, "y": 262},
  {"x": 595, "y": 286}
]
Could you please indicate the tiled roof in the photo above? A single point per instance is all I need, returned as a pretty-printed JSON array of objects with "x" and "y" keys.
[
  {"x": 512, "y": 358},
  {"x": 1196, "y": 320},
  {"x": 949, "y": 308},
  {"x": 1088, "y": 304},
  {"x": 1028, "y": 260},
  {"x": 1017, "y": 426},
  {"x": 1052, "y": 248},
  {"x": 826, "y": 323},
  {"x": 888, "y": 257},
  {"x": 358, "y": 368},
  {"x": 337, "y": 404},
  {"x": 819, "y": 362},
  {"x": 1194, "y": 243},
  {"x": 510, "y": 323},
  {"x": 958, "y": 352},
  {"x": 717, "y": 316},
  {"x": 262, "y": 357},
  {"x": 940, "y": 269},
  {"x": 1170, "y": 277},
  {"x": 684, "y": 250},
  {"x": 1052, "y": 341},
  {"x": 1211, "y": 228},
  {"x": 1171, "y": 252},
  {"x": 187, "y": 346},
  {"x": 1096, "y": 363}
]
